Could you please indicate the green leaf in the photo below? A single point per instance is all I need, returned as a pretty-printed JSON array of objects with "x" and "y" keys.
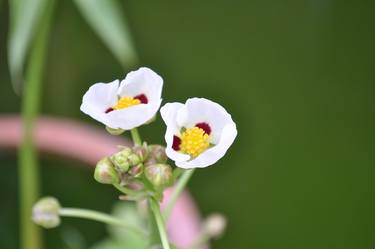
[
  {"x": 24, "y": 18},
  {"x": 107, "y": 20}
]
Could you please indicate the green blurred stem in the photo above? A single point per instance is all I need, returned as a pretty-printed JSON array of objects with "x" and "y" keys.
[
  {"x": 155, "y": 208},
  {"x": 98, "y": 216},
  {"x": 28, "y": 166},
  {"x": 135, "y": 136},
  {"x": 179, "y": 187}
]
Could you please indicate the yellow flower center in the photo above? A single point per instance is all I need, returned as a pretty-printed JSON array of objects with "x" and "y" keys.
[
  {"x": 126, "y": 102},
  {"x": 194, "y": 141}
]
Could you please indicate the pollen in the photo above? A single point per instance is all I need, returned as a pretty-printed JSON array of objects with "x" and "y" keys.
[
  {"x": 126, "y": 102},
  {"x": 194, "y": 141}
]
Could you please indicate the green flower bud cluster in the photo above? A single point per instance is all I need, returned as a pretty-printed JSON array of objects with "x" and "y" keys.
[{"x": 131, "y": 167}]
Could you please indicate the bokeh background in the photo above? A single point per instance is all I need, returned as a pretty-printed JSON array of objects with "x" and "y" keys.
[{"x": 298, "y": 78}]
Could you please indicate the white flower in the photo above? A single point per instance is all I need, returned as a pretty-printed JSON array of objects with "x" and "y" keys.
[
  {"x": 125, "y": 105},
  {"x": 199, "y": 132}
]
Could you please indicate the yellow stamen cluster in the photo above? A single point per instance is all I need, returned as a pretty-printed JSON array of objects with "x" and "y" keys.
[
  {"x": 194, "y": 141},
  {"x": 126, "y": 102}
]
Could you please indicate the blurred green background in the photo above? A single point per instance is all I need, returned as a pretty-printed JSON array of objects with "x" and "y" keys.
[{"x": 298, "y": 78}]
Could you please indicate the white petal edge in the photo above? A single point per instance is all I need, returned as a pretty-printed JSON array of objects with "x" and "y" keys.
[
  {"x": 168, "y": 113},
  {"x": 134, "y": 116},
  {"x": 204, "y": 110},
  {"x": 99, "y": 97},
  {"x": 142, "y": 81}
]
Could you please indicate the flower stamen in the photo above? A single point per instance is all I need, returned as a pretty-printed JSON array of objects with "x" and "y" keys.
[
  {"x": 126, "y": 102},
  {"x": 194, "y": 141}
]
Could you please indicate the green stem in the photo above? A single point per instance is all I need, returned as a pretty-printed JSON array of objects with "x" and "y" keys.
[
  {"x": 28, "y": 163},
  {"x": 159, "y": 222},
  {"x": 136, "y": 137},
  {"x": 98, "y": 216},
  {"x": 179, "y": 187}
]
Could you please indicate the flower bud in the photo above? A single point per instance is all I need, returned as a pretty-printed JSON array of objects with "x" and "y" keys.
[
  {"x": 105, "y": 172},
  {"x": 133, "y": 159},
  {"x": 158, "y": 152},
  {"x": 136, "y": 171},
  {"x": 214, "y": 225},
  {"x": 159, "y": 174},
  {"x": 141, "y": 151},
  {"x": 114, "y": 131},
  {"x": 120, "y": 159},
  {"x": 46, "y": 212},
  {"x": 150, "y": 161}
]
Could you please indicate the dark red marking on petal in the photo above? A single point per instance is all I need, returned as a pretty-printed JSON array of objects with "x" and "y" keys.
[
  {"x": 142, "y": 98},
  {"x": 204, "y": 126},
  {"x": 109, "y": 110},
  {"x": 176, "y": 143}
]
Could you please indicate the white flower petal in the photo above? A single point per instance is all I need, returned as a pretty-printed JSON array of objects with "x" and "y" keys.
[
  {"x": 134, "y": 116},
  {"x": 197, "y": 110},
  {"x": 168, "y": 113},
  {"x": 142, "y": 81},
  {"x": 176, "y": 156},
  {"x": 98, "y": 99},
  {"x": 213, "y": 154}
]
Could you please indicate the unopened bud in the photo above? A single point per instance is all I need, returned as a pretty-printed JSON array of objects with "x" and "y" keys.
[
  {"x": 133, "y": 159},
  {"x": 114, "y": 131},
  {"x": 46, "y": 212},
  {"x": 150, "y": 161},
  {"x": 159, "y": 174},
  {"x": 158, "y": 152},
  {"x": 141, "y": 151},
  {"x": 120, "y": 159},
  {"x": 214, "y": 225},
  {"x": 136, "y": 171},
  {"x": 105, "y": 172}
]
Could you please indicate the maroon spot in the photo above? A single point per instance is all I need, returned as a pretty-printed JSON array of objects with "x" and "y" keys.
[
  {"x": 109, "y": 110},
  {"x": 176, "y": 143},
  {"x": 142, "y": 98},
  {"x": 204, "y": 126}
]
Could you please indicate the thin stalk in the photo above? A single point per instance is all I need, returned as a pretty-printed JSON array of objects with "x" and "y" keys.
[
  {"x": 98, "y": 216},
  {"x": 179, "y": 187},
  {"x": 136, "y": 137},
  {"x": 30, "y": 236},
  {"x": 160, "y": 223}
]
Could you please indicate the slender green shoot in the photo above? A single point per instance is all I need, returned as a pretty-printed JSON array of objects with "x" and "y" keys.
[
  {"x": 101, "y": 217},
  {"x": 30, "y": 236}
]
